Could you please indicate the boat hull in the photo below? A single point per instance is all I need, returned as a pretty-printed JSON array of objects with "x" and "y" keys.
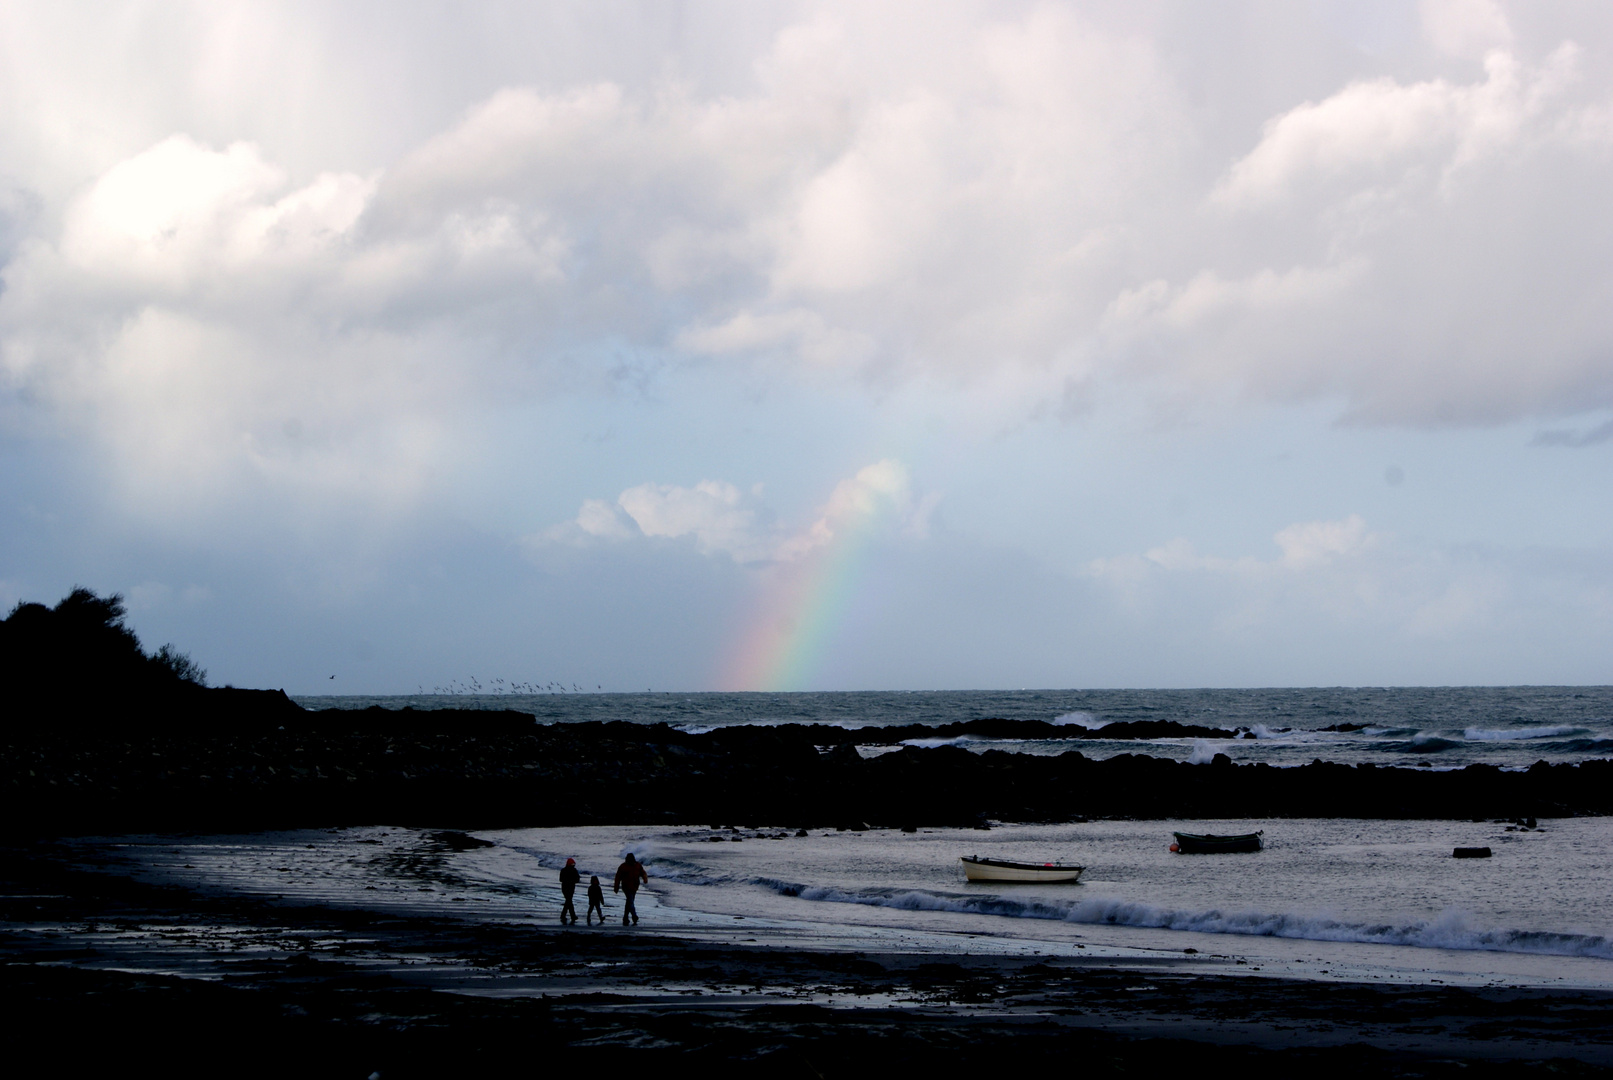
[
  {"x": 1210, "y": 844},
  {"x": 1005, "y": 872}
]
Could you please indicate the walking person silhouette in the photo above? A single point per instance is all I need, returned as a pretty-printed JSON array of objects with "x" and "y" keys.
[
  {"x": 629, "y": 876},
  {"x": 568, "y": 884},
  {"x": 596, "y": 900}
]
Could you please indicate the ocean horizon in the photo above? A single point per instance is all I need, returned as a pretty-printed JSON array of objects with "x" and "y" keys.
[{"x": 1510, "y": 727}]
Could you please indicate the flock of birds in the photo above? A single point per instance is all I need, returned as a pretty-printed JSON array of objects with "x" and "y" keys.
[{"x": 499, "y": 686}]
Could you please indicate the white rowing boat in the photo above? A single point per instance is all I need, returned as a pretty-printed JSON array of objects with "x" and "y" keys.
[{"x": 977, "y": 869}]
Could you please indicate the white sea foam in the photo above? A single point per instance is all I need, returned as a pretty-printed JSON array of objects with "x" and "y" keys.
[
  {"x": 1080, "y": 719},
  {"x": 667, "y": 858},
  {"x": 1450, "y": 931},
  {"x": 1203, "y": 752},
  {"x": 702, "y": 727},
  {"x": 930, "y": 744},
  {"x": 1510, "y": 734}
]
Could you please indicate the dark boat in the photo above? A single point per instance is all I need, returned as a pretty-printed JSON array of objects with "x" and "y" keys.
[{"x": 1209, "y": 844}]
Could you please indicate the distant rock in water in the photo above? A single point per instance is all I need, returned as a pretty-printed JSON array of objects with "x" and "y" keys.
[
  {"x": 1000, "y": 728},
  {"x": 80, "y": 662}
]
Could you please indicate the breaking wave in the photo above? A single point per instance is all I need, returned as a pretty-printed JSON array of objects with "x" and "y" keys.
[
  {"x": 1080, "y": 719},
  {"x": 1509, "y": 734},
  {"x": 1450, "y": 931},
  {"x": 958, "y": 740},
  {"x": 704, "y": 727}
]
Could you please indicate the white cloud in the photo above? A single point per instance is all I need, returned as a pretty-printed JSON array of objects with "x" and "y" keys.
[
  {"x": 858, "y": 502},
  {"x": 710, "y": 512},
  {"x": 719, "y": 518},
  {"x": 715, "y": 515},
  {"x": 1315, "y": 543},
  {"x": 1421, "y": 251},
  {"x": 1016, "y": 205},
  {"x": 1305, "y": 546},
  {"x": 1341, "y": 574},
  {"x": 1384, "y": 132},
  {"x": 599, "y": 518},
  {"x": 1467, "y": 28},
  {"x": 838, "y": 214},
  {"x": 797, "y": 334}
]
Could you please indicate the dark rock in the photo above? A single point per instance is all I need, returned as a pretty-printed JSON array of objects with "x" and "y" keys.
[
  {"x": 470, "y": 770},
  {"x": 999, "y": 728},
  {"x": 458, "y": 841}
]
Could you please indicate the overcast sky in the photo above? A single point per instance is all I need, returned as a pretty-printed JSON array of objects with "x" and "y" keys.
[{"x": 815, "y": 346}]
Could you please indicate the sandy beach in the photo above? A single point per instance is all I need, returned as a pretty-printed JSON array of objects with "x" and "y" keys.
[{"x": 99, "y": 939}]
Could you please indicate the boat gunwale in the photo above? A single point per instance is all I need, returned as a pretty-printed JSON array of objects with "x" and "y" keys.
[{"x": 1007, "y": 864}]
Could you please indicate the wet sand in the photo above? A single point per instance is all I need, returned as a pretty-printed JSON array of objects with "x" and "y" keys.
[{"x": 110, "y": 972}]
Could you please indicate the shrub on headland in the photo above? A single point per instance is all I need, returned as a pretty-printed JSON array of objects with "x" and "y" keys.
[
  {"x": 82, "y": 646},
  {"x": 80, "y": 664}
]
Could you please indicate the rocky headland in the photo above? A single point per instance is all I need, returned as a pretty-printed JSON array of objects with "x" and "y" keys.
[
  {"x": 248, "y": 760},
  {"x": 105, "y": 738}
]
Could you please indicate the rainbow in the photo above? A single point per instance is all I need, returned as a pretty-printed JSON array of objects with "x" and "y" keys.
[{"x": 805, "y": 602}]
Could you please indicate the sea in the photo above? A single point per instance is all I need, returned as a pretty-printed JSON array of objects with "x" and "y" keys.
[
  {"x": 1430, "y": 727},
  {"x": 1331, "y": 900},
  {"x": 1349, "y": 900}
]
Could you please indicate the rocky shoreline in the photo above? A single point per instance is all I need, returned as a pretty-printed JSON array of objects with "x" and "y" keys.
[
  {"x": 996, "y": 727},
  {"x": 241, "y": 760}
]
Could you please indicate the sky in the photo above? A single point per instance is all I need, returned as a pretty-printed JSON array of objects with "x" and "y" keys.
[{"x": 376, "y": 347}]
